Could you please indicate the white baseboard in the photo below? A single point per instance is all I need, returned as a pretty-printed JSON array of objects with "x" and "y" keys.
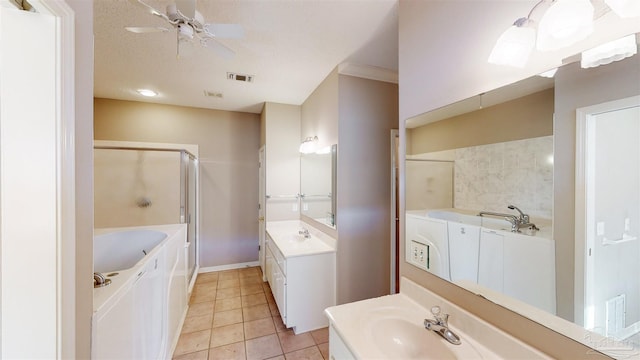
[{"x": 228, "y": 267}]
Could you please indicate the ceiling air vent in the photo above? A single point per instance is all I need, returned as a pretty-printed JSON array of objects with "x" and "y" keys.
[
  {"x": 213, "y": 94},
  {"x": 240, "y": 77}
]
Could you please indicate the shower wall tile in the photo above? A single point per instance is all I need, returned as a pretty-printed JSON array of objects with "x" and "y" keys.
[{"x": 490, "y": 177}]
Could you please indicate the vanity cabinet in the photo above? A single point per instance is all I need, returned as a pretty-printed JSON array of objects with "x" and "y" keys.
[
  {"x": 338, "y": 350},
  {"x": 302, "y": 286}
]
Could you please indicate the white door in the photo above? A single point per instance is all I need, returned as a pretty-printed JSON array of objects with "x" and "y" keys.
[
  {"x": 608, "y": 218},
  {"x": 261, "y": 212},
  {"x": 36, "y": 224}
]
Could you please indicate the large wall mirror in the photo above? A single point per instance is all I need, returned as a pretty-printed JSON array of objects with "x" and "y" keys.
[
  {"x": 318, "y": 186},
  {"x": 492, "y": 203}
]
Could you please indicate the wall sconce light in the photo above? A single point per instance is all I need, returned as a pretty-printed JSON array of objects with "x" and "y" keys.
[
  {"x": 609, "y": 52},
  {"x": 563, "y": 23},
  {"x": 309, "y": 145}
]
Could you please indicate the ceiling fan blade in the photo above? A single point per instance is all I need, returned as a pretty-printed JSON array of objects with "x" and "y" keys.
[
  {"x": 187, "y": 8},
  {"x": 150, "y": 9},
  {"x": 224, "y": 31},
  {"x": 218, "y": 48},
  {"x": 146, "y": 29}
]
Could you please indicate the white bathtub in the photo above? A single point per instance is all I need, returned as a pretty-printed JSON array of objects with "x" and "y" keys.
[
  {"x": 123, "y": 249},
  {"x": 140, "y": 313}
]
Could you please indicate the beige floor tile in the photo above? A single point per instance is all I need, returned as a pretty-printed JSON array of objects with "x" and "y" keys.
[
  {"x": 279, "y": 357},
  {"x": 256, "y": 312},
  {"x": 291, "y": 342},
  {"x": 228, "y": 275},
  {"x": 228, "y": 293},
  {"x": 228, "y": 304},
  {"x": 205, "y": 287},
  {"x": 234, "y": 351},
  {"x": 253, "y": 300},
  {"x": 207, "y": 277},
  {"x": 324, "y": 350},
  {"x": 274, "y": 309},
  {"x": 252, "y": 280},
  {"x": 266, "y": 287},
  {"x": 310, "y": 353},
  {"x": 248, "y": 272},
  {"x": 277, "y": 321},
  {"x": 192, "y": 342},
  {"x": 259, "y": 328},
  {"x": 200, "y": 355},
  {"x": 251, "y": 289},
  {"x": 225, "y": 284},
  {"x": 227, "y": 334},
  {"x": 229, "y": 317},
  {"x": 197, "y": 323},
  {"x": 320, "y": 336},
  {"x": 200, "y": 309},
  {"x": 263, "y": 347},
  {"x": 203, "y": 297}
]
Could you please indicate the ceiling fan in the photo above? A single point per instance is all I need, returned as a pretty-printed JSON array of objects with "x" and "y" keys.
[{"x": 190, "y": 26}]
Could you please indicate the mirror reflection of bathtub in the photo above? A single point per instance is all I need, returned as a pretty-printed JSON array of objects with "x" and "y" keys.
[{"x": 464, "y": 248}]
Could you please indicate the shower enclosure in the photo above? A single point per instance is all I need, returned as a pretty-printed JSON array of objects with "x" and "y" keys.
[{"x": 137, "y": 184}]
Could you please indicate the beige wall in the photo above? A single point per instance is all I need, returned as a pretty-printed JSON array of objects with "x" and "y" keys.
[
  {"x": 122, "y": 178},
  {"x": 282, "y": 133},
  {"x": 368, "y": 111},
  {"x": 576, "y": 88},
  {"x": 523, "y": 118},
  {"x": 228, "y": 145},
  {"x": 357, "y": 114},
  {"x": 84, "y": 180}
]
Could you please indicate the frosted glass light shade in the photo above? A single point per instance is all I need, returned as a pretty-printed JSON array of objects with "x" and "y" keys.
[
  {"x": 565, "y": 23},
  {"x": 624, "y": 8},
  {"x": 609, "y": 52},
  {"x": 513, "y": 46}
]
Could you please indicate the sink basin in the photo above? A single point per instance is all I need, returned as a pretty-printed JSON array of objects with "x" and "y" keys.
[{"x": 401, "y": 339}]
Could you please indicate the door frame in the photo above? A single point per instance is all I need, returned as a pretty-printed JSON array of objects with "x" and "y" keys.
[
  {"x": 585, "y": 202},
  {"x": 262, "y": 181},
  {"x": 394, "y": 236},
  {"x": 62, "y": 245}
]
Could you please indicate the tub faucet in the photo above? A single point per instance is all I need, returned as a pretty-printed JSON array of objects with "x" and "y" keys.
[
  {"x": 512, "y": 219},
  {"x": 524, "y": 218},
  {"x": 305, "y": 233},
  {"x": 99, "y": 280},
  {"x": 440, "y": 326}
]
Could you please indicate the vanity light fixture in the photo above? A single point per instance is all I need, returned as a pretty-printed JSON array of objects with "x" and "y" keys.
[
  {"x": 514, "y": 45},
  {"x": 147, "y": 92},
  {"x": 309, "y": 145},
  {"x": 609, "y": 52},
  {"x": 324, "y": 150},
  {"x": 624, "y": 8},
  {"x": 562, "y": 23},
  {"x": 565, "y": 23},
  {"x": 549, "y": 73}
]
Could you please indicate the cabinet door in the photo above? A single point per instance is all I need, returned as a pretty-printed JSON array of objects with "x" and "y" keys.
[
  {"x": 269, "y": 263},
  {"x": 280, "y": 292}
]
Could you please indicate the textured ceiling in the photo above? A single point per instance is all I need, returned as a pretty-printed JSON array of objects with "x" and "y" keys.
[{"x": 290, "y": 46}]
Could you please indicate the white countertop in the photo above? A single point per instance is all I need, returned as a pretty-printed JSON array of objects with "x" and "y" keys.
[
  {"x": 285, "y": 235},
  {"x": 360, "y": 324}
]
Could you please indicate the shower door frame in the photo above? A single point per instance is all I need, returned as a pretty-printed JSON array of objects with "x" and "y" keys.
[{"x": 192, "y": 152}]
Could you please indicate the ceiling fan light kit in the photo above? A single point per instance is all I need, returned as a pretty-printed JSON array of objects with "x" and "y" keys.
[{"x": 190, "y": 24}]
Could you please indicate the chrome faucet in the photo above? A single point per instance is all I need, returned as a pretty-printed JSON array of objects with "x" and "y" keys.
[
  {"x": 440, "y": 326},
  {"x": 512, "y": 219},
  {"x": 305, "y": 233},
  {"x": 516, "y": 222},
  {"x": 99, "y": 280}
]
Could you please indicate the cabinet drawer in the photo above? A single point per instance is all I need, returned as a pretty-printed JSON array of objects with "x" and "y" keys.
[{"x": 278, "y": 257}]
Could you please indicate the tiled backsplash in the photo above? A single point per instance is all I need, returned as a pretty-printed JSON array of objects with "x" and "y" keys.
[{"x": 490, "y": 177}]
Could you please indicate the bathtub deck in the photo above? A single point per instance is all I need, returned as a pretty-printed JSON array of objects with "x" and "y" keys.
[{"x": 233, "y": 315}]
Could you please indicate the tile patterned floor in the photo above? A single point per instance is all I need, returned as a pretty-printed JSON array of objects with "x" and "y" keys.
[{"x": 232, "y": 315}]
